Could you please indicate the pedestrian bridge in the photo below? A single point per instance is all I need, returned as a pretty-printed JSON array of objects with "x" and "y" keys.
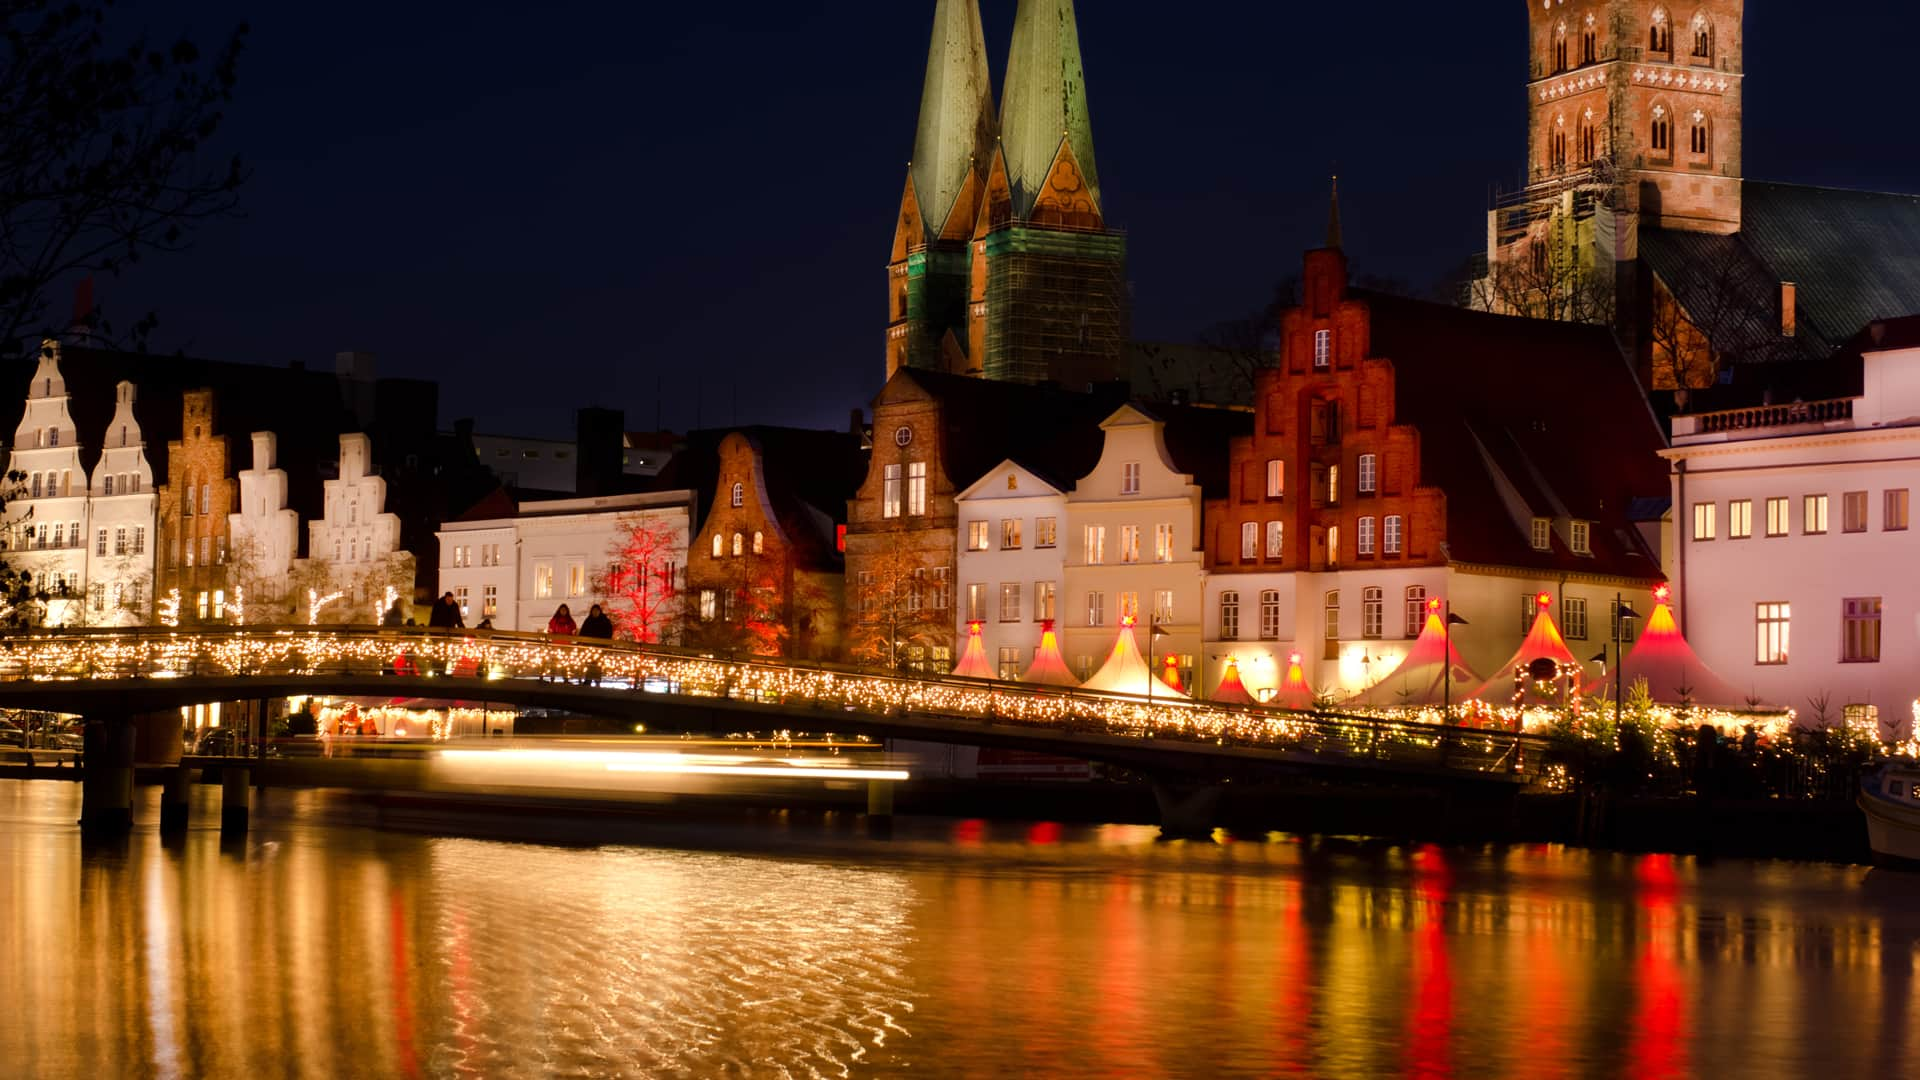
[{"x": 112, "y": 673}]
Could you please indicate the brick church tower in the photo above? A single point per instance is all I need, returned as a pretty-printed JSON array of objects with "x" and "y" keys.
[
  {"x": 1633, "y": 120},
  {"x": 1003, "y": 265}
]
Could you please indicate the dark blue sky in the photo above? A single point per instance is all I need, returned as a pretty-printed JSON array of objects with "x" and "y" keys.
[{"x": 547, "y": 206}]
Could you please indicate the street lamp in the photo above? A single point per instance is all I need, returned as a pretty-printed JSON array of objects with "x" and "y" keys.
[
  {"x": 1621, "y": 613},
  {"x": 1154, "y": 634},
  {"x": 1446, "y": 661}
]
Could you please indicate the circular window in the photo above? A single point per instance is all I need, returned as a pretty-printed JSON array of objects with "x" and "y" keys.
[{"x": 902, "y": 435}]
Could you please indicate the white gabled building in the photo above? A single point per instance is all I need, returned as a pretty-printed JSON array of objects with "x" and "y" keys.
[
  {"x": 527, "y": 561},
  {"x": 121, "y": 506},
  {"x": 1133, "y": 530},
  {"x": 265, "y": 538},
  {"x": 1794, "y": 541},
  {"x": 1010, "y": 563},
  {"x": 354, "y": 549},
  {"x": 47, "y": 506}
]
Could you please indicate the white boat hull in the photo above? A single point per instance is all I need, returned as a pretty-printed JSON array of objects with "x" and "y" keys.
[{"x": 1893, "y": 821}]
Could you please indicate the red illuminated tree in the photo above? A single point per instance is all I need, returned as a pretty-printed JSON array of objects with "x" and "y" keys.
[{"x": 641, "y": 580}]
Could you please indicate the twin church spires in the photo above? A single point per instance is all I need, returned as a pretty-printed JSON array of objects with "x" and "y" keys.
[{"x": 1003, "y": 265}]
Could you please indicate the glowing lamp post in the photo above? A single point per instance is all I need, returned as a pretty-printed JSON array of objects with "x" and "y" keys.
[
  {"x": 1446, "y": 659},
  {"x": 1621, "y": 614}
]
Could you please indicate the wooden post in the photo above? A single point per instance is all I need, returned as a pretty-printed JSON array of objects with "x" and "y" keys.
[
  {"x": 106, "y": 789},
  {"x": 173, "y": 800},
  {"x": 233, "y": 798}
]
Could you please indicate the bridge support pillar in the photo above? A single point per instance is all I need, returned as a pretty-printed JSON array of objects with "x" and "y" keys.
[
  {"x": 880, "y": 798},
  {"x": 106, "y": 789},
  {"x": 173, "y": 800},
  {"x": 1188, "y": 812},
  {"x": 234, "y": 791}
]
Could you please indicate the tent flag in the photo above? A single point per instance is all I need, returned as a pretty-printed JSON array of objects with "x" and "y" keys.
[
  {"x": 1125, "y": 671},
  {"x": 1542, "y": 643},
  {"x": 973, "y": 660},
  {"x": 1231, "y": 690},
  {"x": 1049, "y": 667},
  {"x": 1421, "y": 679},
  {"x": 1675, "y": 674},
  {"x": 1294, "y": 692}
]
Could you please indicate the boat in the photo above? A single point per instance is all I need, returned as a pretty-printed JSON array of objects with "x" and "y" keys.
[{"x": 1890, "y": 797}]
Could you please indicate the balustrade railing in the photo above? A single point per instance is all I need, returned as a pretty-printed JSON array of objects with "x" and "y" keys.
[{"x": 1766, "y": 416}]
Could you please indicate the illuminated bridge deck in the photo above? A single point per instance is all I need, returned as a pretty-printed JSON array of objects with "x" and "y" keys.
[{"x": 97, "y": 672}]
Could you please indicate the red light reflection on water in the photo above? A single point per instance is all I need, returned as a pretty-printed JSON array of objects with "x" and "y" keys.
[
  {"x": 402, "y": 998},
  {"x": 1658, "y": 1043},
  {"x": 970, "y": 832},
  {"x": 1430, "y": 1027},
  {"x": 1044, "y": 832},
  {"x": 1293, "y": 996}
]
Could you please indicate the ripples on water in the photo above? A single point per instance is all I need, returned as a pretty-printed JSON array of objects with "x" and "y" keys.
[{"x": 957, "y": 949}]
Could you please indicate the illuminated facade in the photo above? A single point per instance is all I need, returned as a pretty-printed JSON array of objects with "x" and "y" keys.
[
  {"x": 47, "y": 508},
  {"x": 122, "y": 505},
  {"x": 1011, "y": 562},
  {"x": 195, "y": 504},
  {"x": 266, "y": 539},
  {"x": 353, "y": 549}
]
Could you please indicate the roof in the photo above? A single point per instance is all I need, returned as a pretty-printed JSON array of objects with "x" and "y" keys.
[
  {"x": 956, "y": 110},
  {"x": 1511, "y": 411},
  {"x": 810, "y": 475},
  {"x": 1045, "y": 96}
]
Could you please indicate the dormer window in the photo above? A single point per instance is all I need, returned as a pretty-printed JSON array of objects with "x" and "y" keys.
[
  {"x": 1322, "y": 348},
  {"x": 1130, "y": 478},
  {"x": 1581, "y": 538},
  {"x": 1542, "y": 534}
]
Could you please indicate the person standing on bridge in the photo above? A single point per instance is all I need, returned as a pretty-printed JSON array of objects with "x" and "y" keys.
[
  {"x": 562, "y": 622},
  {"x": 446, "y": 614},
  {"x": 597, "y": 625}
]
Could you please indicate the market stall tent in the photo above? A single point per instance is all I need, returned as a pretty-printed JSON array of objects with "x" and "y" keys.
[
  {"x": 1422, "y": 677},
  {"x": 973, "y": 659},
  {"x": 1126, "y": 672},
  {"x": 1049, "y": 668}
]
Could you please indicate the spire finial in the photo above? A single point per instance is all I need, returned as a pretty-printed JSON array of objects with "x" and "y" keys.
[{"x": 1333, "y": 215}]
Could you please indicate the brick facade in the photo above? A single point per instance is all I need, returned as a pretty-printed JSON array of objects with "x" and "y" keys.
[{"x": 194, "y": 506}]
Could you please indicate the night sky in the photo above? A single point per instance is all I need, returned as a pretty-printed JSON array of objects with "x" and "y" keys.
[{"x": 648, "y": 205}]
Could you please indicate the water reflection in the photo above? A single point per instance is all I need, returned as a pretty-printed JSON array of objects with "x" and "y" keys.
[{"x": 961, "y": 948}]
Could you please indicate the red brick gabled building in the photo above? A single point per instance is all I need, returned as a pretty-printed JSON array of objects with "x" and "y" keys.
[{"x": 1406, "y": 451}]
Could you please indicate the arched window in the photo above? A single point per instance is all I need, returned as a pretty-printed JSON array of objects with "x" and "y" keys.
[
  {"x": 1660, "y": 138},
  {"x": 1230, "y": 616},
  {"x": 1416, "y": 609},
  {"x": 1702, "y": 36},
  {"x": 759, "y": 544},
  {"x": 739, "y": 495},
  {"x": 1589, "y": 41},
  {"x": 719, "y": 545},
  {"x": 1660, "y": 35},
  {"x": 1699, "y": 140},
  {"x": 1557, "y": 143},
  {"x": 1560, "y": 47},
  {"x": 1587, "y": 139},
  {"x": 739, "y": 544}
]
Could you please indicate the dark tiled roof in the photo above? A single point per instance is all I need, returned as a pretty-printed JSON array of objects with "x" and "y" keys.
[
  {"x": 1201, "y": 441},
  {"x": 1552, "y": 409},
  {"x": 810, "y": 475},
  {"x": 1054, "y": 432}
]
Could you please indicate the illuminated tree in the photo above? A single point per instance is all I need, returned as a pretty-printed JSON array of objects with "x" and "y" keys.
[
  {"x": 896, "y": 602},
  {"x": 641, "y": 581}
]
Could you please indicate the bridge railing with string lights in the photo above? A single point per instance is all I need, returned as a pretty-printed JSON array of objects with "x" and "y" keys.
[{"x": 467, "y": 664}]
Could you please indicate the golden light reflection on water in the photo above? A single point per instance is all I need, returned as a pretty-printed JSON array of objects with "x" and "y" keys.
[{"x": 315, "y": 949}]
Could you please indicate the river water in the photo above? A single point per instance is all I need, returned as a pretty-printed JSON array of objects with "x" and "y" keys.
[{"x": 802, "y": 947}]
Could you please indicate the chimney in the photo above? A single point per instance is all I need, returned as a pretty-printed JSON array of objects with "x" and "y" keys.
[{"x": 1787, "y": 306}]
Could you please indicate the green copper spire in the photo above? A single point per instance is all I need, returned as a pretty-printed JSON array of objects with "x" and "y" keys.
[
  {"x": 956, "y": 110},
  {"x": 1045, "y": 100}
]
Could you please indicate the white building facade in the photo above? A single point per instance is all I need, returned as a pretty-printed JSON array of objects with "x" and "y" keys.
[
  {"x": 1132, "y": 536},
  {"x": 550, "y": 553},
  {"x": 1794, "y": 545},
  {"x": 353, "y": 551},
  {"x": 122, "y": 505},
  {"x": 47, "y": 517},
  {"x": 1011, "y": 563},
  {"x": 265, "y": 537}
]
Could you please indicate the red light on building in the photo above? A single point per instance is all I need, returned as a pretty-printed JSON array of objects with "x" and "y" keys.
[
  {"x": 840, "y": 538},
  {"x": 1544, "y": 599},
  {"x": 1293, "y": 659},
  {"x": 1662, "y": 593},
  {"x": 1433, "y": 604}
]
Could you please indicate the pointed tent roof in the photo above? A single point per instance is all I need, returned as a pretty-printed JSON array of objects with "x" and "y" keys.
[
  {"x": 973, "y": 659},
  {"x": 956, "y": 111},
  {"x": 1170, "y": 672},
  {"x": 1542, "y": 641},
  {"x": 1421, "y": 677},
  {"x": 1045, "y": 101},
  {"x": 1294, "y": 691},
  {"x": 1125, "y": 671},
  {"x": 1663, "y": 658},
  {"x": 1231, "y": 690},
  {"x": 1049, "y": 668}
]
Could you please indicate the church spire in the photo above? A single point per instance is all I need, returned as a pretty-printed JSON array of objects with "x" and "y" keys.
[
  {"x": 1045, "y": 101},
  {"x": 956, "y": 111},
  {"x": 1333, "y": 215}
]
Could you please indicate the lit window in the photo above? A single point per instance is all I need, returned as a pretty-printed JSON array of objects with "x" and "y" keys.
[
  {"x": 576, "y": 579},
  {"x": 917, "y": 488},
  {"x": 1043, "y": 592},
  {"x": 1009, "y": 534},
  {"x": 1276, "y": 478},
  {"x": 1276, "y": 539},
  {"x": 1363, "y": 537},
  {"x": 1703, "y": 521},
  {"x": 1853, "y": 511},
  {"x": 1814, "y": 521},
  {"x": 1009, "y": 669},
  {"x": 1163, "y": 542},
  {"x": 719, "y": 545},
  {"x": 1581, "y": 534},
  {"x": 1322, "y": 348},
  {"x": 1777, "y": 516},
  {"x": 1861, "y": 624},
  {"x": 976, "y": 601},
  {"x": 1416, "y": 610},
  {"x": 759, "y": 544},
  {"x": 1130, "y": 478},
  {"x": 1163, "y": 606},
  {"x": 739, "y": 495},
  {"x": 1542, "y": 534},
  {"x": 890, "y": 491},
  {"x": 1770, "y": 625},
  {"x": 1045, "y": 532},
  {"x": 543, "y": 580},
  {"x": 489, "y": 600},
  {"x": 1330, "y": 628},
  {"x": 1740, "y": 519},
  {"x": 1366, "y": 478},
  {"x": 1129, "y": 543},
  {"x": 1270, "y": 614},
  {"x": 1573, "y": 617},
  {"x": 1230, "y": 616},
  {"x": 976, "y": 536},
  {"x": 1250, "y": 540},
  {"x": 739, "y": 545},
  {"x": 1373, "y": 612},
  {"x": 1129, "y": 606},
  {"x": 1893, "y": 514},
  {"x": 1333, "y": 546},
  {"x": 1010, "y": 602},
  {"x": 1096, "y": 609},
  {"x": 1391, "y": 541},
  {"x": 1096, "y": 544},
  {"x": 709, "y": 605}
]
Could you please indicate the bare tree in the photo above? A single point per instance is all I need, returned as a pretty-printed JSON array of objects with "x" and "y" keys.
[
  {"x": 898, "y": 602},
  {"x": 1543, "y": 284},
  {"x": 102, "y": 150}
]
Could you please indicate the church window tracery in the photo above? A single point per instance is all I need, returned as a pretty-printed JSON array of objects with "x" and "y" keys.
[{"x": 1660, "y": 36}]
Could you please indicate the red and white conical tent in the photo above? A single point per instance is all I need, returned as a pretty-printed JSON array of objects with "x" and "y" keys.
[
  {"x": 1126, "y": 672},
  {"x": 1674, "y": 674},
  {"x": 1231, "y": 690},
  {"x": 1422, "y": 678},
  {"x": 1527, "y": 678},
  {"x": 1294, "y": 692},
  {"x": 1049, "y": 668},
  {"x": 973, "y": 659}
]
